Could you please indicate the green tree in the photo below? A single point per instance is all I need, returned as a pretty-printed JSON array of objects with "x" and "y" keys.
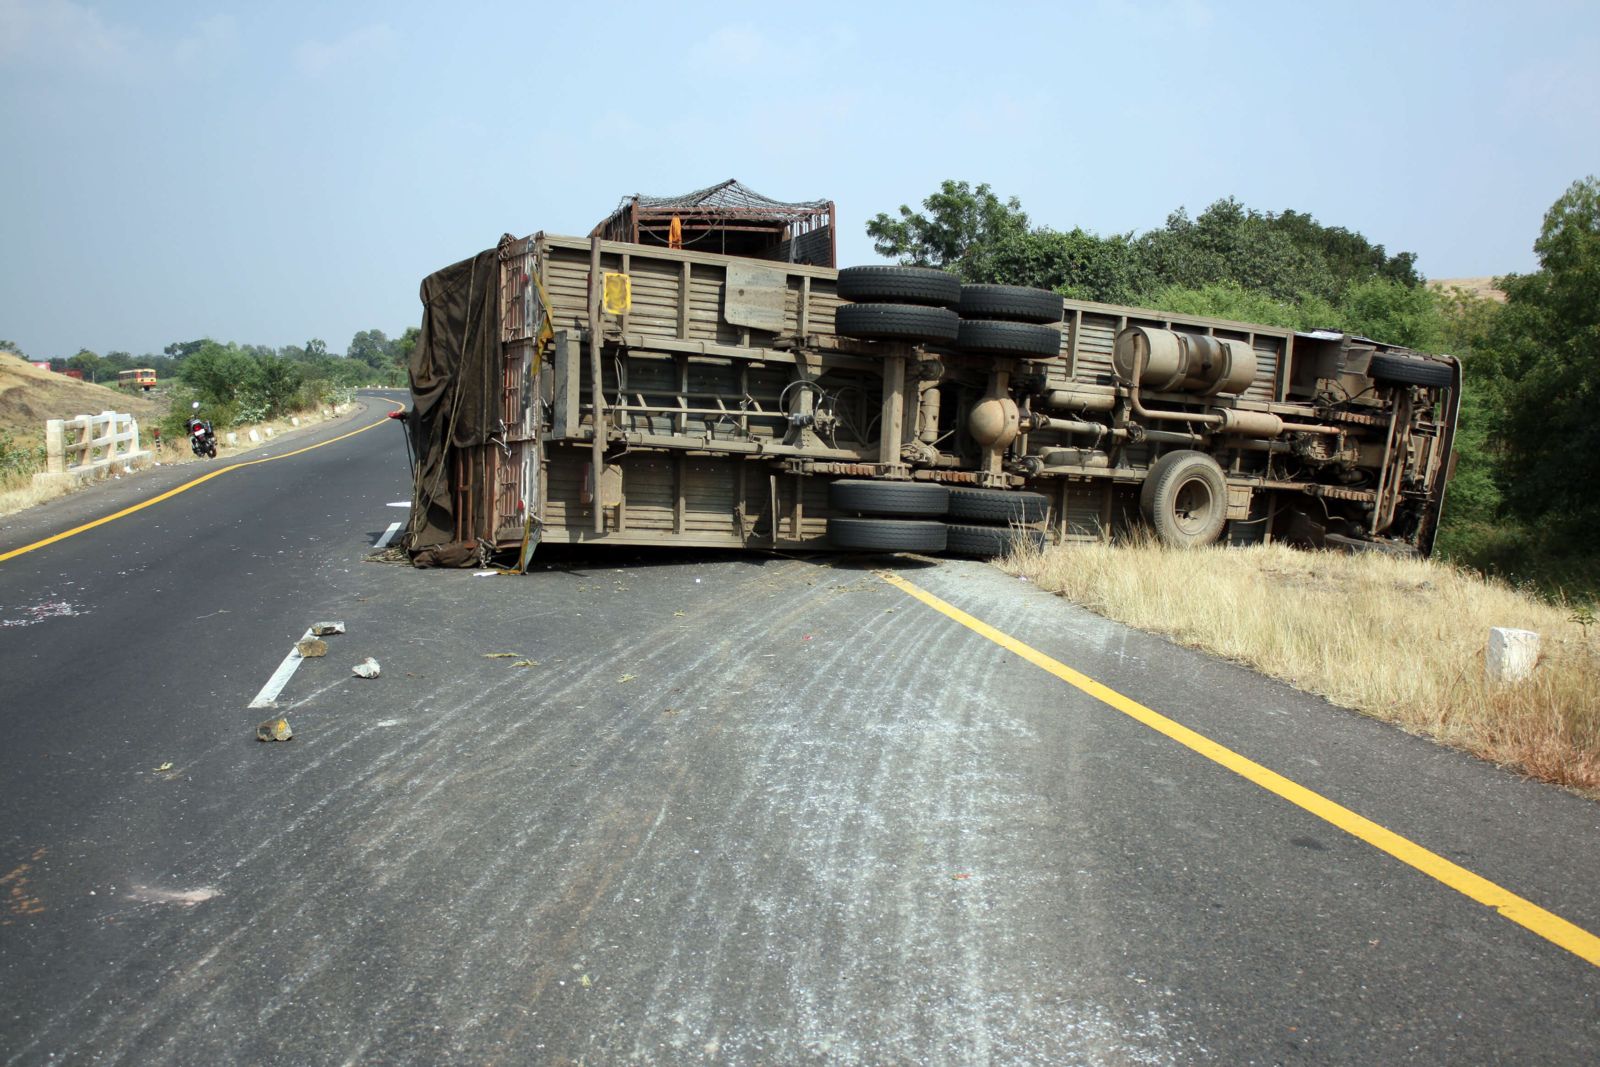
[
  {"x": 88, "y": 362},
  {"x": 961, "y": 230},
  {"x": 277, "y": 384},
  {"x": 1228, "y": 300},
  {"x": 1541, "y": 361},
  {"x": 13, "y": 348},
  {"x": 183, "y": 349},
  {"x": 222, "y": 375},
  {"x": 316, "y": 347},
  {"x": 372, "y": 348},
  {"x": 1394, "y": 312}
]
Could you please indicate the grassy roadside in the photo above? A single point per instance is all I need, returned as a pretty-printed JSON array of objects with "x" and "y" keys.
[{"x": 1400, "y": 640}]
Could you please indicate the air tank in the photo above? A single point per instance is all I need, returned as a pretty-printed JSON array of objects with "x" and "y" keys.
[{"x": 1184, "y": 362}]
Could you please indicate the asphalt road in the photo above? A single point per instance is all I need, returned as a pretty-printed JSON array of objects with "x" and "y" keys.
[{"x": 710, "y": 809}]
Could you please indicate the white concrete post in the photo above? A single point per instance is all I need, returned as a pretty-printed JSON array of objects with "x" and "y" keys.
[
  {"x": 55, "y": 446},
  {"x": 1511, "y": 654}
]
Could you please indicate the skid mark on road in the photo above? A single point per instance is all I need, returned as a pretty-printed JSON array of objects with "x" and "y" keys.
[{"x": 1551, "y": 927}]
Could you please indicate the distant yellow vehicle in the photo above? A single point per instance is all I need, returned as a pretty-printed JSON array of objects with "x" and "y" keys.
[{"x": 141, "y": 378}]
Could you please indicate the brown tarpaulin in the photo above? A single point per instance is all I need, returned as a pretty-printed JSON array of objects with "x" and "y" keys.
[{"x": 454, "y": 393}]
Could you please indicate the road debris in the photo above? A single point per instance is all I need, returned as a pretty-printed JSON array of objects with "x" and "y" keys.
[
  {"x": 183, "y": 898},
  {"x": 526, "y": 663},
  {"x": 502, "y": 655},
  {"x": 167, "y": 766},
  {"x": 626, "y": 678},
  {"x": 367, "y": 668},
  {"x": 323, "y": 629},
  {"x": 311, "y": 648},
  {"x": 274, "y": 730}
]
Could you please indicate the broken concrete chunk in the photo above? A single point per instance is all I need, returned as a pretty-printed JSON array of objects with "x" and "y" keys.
[
  {"x": 323, "y": 629},
  {"x": 274, "y": 730},
  {"x": 311, "y": 648},
  {"x": 367, "y": 668}
]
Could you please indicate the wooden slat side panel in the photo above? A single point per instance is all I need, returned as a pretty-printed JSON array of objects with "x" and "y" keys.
[
  {"x": 705, "y": 306},
  {"x": 709, "y": 492},
  {"x": 648, "y": 489},
  {"x": 564, "y": 486},
  {"x": 1269, "y": 367},
  {"x": 1094, "y": 350}
]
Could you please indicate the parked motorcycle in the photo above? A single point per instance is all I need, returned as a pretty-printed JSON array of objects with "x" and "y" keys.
[{"x": 202, "y": 438}]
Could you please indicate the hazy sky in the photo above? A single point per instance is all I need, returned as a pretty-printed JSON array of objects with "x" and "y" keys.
[{"x": 268, "y": 173}]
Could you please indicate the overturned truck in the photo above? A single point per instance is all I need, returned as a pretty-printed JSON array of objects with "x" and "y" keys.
[{"x": 572, "y": 390}]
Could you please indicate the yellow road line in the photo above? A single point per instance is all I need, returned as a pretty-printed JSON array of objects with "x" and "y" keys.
[
  {"x": 185, "y": 487},
  {"x": 1525, "y": 913}
]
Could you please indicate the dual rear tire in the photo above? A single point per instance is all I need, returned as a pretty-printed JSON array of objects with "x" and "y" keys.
[{"x": 906, "y": 517}]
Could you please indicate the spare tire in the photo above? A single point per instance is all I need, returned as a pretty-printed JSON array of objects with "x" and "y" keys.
[
  {"x": 1016, "y": 340},
  {"x": 900, "y": 285},
  {"x": 896, "y": 322},
  {"x": 1405, "y": 370},
  {"x": 1001, "y": 506},
  {"x": 888, "y": 498},
  {"x": 988, "y": 540},
  {"x": 887, "y": 535},
  {"x": 1011, "y": 303}
]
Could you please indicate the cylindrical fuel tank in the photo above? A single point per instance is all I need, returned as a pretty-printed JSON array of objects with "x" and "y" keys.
[{"x": 1184, "y": 362}]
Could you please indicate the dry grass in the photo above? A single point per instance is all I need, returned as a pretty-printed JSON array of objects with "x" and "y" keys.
[
  {"x": 19, "y": 492},
  {"x": 29, "y": 396},
  {"x": 1401, "y": 640}
]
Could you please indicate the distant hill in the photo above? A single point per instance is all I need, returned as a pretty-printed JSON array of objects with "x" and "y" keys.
[
  {"x": 1483, "y": 287},
  {"x": 29, "y": 396}
]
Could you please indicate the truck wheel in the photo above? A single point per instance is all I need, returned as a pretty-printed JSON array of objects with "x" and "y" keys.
[
  {"x": 1009, "y": 303},
  {"x": 896, "y": 322},
  {"x": 889, "y": 498},
  {"x": 900, "y": 285},
  {"x": 988, "y": 540},
  {"x": 1407, "y": 371},
  {"x": 1000, "y": 506},
  {"x": 887, "y": 535},
  {"x": 1017, "y": 340},
  {"x": 1185, "y": 499}
]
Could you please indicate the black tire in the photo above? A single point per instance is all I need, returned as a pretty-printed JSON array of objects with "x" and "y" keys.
[
  {"x": 1404, "y": 370},
  {"x": 900, "y": 285},
  {"x": 1184, "y": 498},
  {"x": 1001, "y": 506},
  {"x": 889, "y": 498},
  {"x": 988, "y": 540},
  {"x": 887, "y": 535},
  {"x": 896, "y": 322},
  {"x": 1009, "y": 303},
  {"x": 1017, "y": 340}
]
